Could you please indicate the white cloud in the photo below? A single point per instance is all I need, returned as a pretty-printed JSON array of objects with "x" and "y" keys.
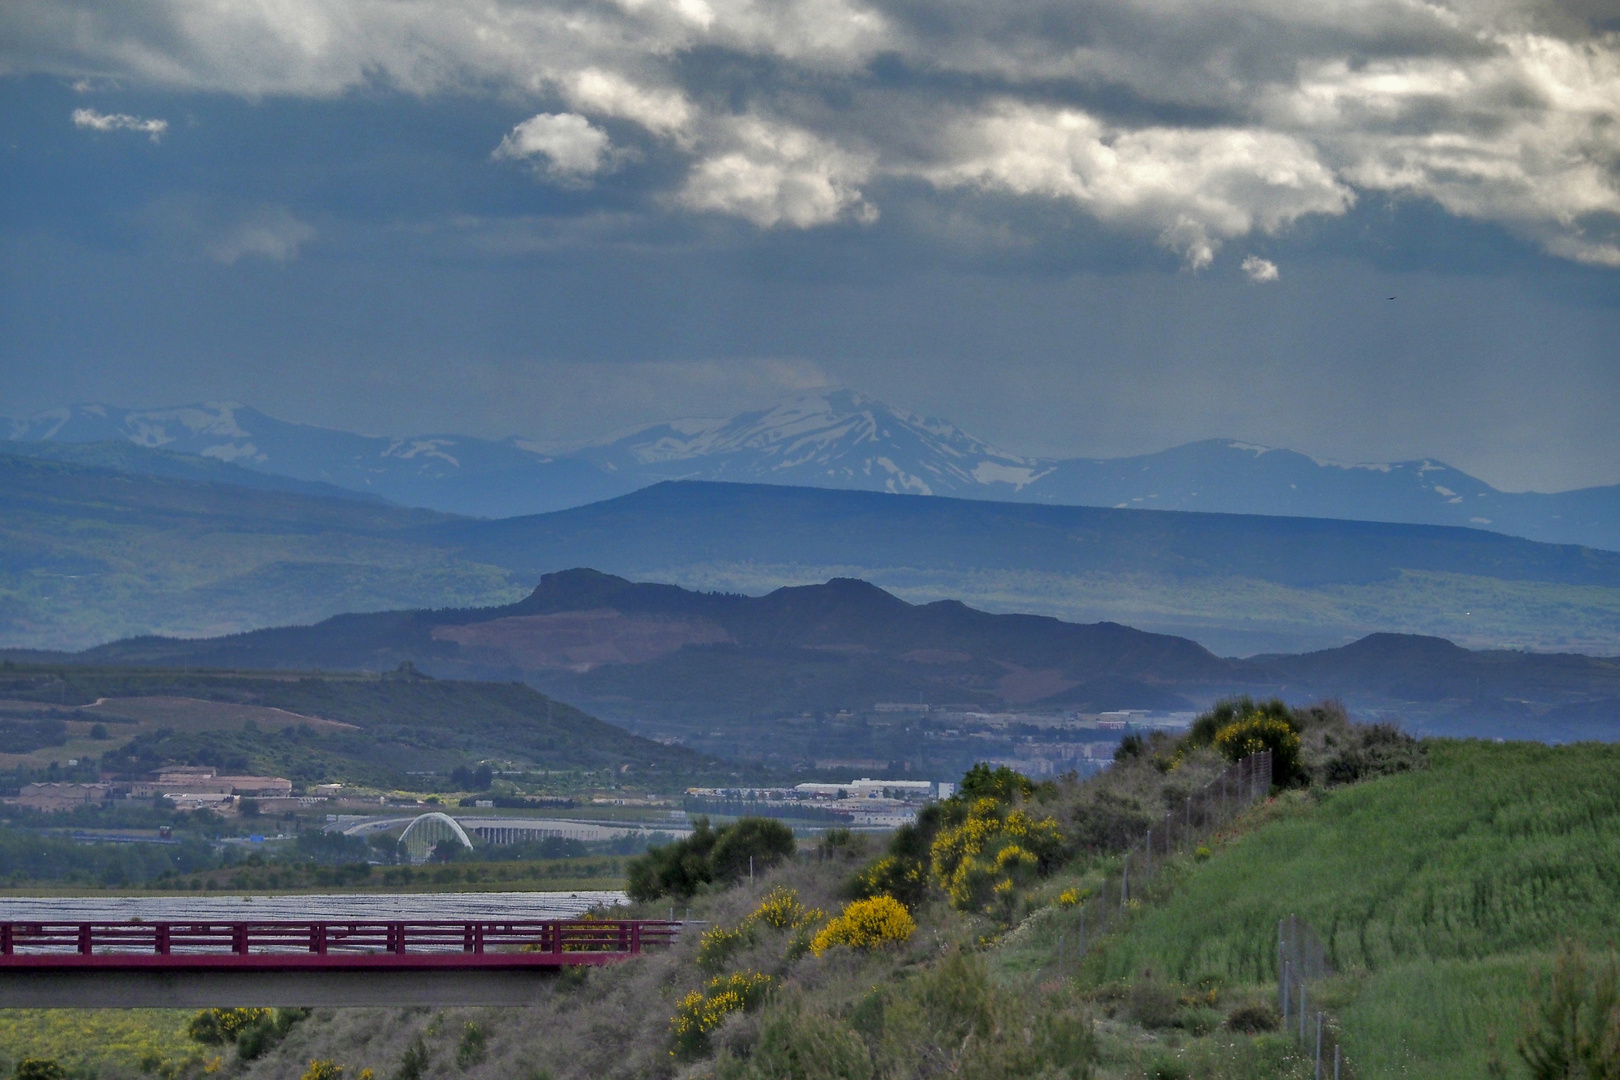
[
  {"x": 95, "y": 121},
  {"x": 571, "y": 148},
  {"x": 663, "y": 111},
  {"x": 1192, "y": 187},
  {"x": 774, "y": 175},
  {"x": 1260, "y": 270},
  {"x": 1501, "y": 111},
  {"x": 268, "y": 232}
]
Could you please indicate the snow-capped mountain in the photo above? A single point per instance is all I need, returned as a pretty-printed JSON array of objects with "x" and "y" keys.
[
  {"x": 840, "y": 439},
  {"x": 462, "y": 475}
]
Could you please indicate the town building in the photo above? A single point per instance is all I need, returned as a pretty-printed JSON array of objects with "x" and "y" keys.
[
  {"x": 52, "y": 798},
  {"x": 196, "y": 780}
]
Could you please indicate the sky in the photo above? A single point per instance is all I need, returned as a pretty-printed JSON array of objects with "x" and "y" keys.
[{"x": 1365, "y": 229}]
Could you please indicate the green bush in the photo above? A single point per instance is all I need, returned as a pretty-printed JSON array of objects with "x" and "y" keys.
[
  {"x": 1252, "y": 1018},
  {"x": 413, "y": 1062},
  {"x": 1572, "y": 1029},
  {"x": 260, "y": 1034},
  {"x": 38, "y": 1069},
  {"x": 1153, "y": 1004},
  {"x": 757, "y": 842},
  {"x": 1001, "y": 783},
  {"x": 708, "y": 855},
  {"x": 214, "y": 1027},
  {"x": 472, "y": 1047},
  {"x": 803, "y": 1046}
]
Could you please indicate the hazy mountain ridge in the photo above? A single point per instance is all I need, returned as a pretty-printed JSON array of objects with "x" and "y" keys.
[
  {"x": 842, "y": 440},
  {"x": 89, "y": 554},
  {"x": 449, "y": 473},
  {"x": 847, "y": 644}
]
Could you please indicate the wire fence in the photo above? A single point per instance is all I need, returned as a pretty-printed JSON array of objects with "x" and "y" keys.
[
  {"x": 1182, "y": 828},
  {"x": 1302, "y": 961}
]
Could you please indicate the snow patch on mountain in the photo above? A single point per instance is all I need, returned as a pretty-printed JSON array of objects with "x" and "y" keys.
[{"x": 835, "y": 439}]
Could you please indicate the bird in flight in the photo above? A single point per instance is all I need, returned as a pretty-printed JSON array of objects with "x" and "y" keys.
[{"x": 1392, "y": 298}]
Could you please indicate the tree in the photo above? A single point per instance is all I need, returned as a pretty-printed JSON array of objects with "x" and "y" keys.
[
  {"x": 708, "y": 855},
  {"x": 756, "y": 842}
]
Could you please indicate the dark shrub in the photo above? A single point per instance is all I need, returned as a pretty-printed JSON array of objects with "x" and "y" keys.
[
  {"x": 1374, "y": 750},
  {"x": 39, "y": 1069},
  {"x": 1253, "y": 1018},
  {"x": 1153, "y": 1004},
  {"x": 1000, "y": 783},
  {"x": 809, "y": 1046},
  {"x": 708, "y": 855},
  {"x": 1109, "y": 822},
  {"x": 765, "y": 841},
  {"x": 1131, "y": 746}
]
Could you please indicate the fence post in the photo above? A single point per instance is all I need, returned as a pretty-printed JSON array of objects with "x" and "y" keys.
[
  {"x": 1124, "y": 881},
  {"x": 1335, "y": 1061},
  {"x": 1302, "y": 1012},
  {"x": 1282, "y": 970},
  {"x": 1285, "y": 991},
  {"x": 1318, "y": 1044}
]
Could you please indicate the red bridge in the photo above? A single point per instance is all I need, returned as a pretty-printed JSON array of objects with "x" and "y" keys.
[{"x": 128, "y": 964}]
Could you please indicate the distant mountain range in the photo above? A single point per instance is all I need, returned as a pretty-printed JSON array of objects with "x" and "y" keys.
[
  {"x": 840, "y": 440},
  {"x": 125, "y": 541},
  {"x": 725, "y": 670}
]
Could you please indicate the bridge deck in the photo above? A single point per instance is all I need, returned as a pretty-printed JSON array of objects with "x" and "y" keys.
[{"x": 325, "y": 946}]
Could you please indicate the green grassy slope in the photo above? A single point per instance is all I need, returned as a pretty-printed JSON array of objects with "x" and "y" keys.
[{"x": 1437, "y": 893}]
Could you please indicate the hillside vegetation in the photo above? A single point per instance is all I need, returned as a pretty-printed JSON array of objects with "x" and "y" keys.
[
  {"x": 1442, "y": 876},
  {"x": 366, "y": 729},
  {"x": 1438, "y": 893},
  {"x": 935, "y": 954}
]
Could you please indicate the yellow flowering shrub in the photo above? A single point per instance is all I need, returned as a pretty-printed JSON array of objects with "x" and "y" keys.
[
  {"x": 701, "y": 1011},
  {"x": 782, "y": 910},
  {"x": 1256, "y": 732},
  {"x": 904, "y": 879},
  {"x": 1068, "y": 898},
  {"x": 718, "y": 944},
  {"x": 867, "y": 924},
  {"x": 217, "y": 1026},
  {"x": 987, "y": 857}
]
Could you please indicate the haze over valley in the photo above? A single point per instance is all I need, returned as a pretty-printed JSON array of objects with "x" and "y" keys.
[{"x": 841, "y": 440}]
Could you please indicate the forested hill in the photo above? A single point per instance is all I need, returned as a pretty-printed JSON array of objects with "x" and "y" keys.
[{"x": 312, "y": 727}]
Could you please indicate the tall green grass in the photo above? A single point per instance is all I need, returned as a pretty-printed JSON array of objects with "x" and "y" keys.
[{"x": 1437, "y": 892}]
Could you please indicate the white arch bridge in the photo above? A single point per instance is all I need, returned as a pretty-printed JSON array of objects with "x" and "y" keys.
[
  {"x": 438, "y": 826},
  {"x": 428, "y": 832}
]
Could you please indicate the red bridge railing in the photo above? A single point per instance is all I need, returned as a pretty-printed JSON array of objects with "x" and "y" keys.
[{"x": 380, "y": 944}]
